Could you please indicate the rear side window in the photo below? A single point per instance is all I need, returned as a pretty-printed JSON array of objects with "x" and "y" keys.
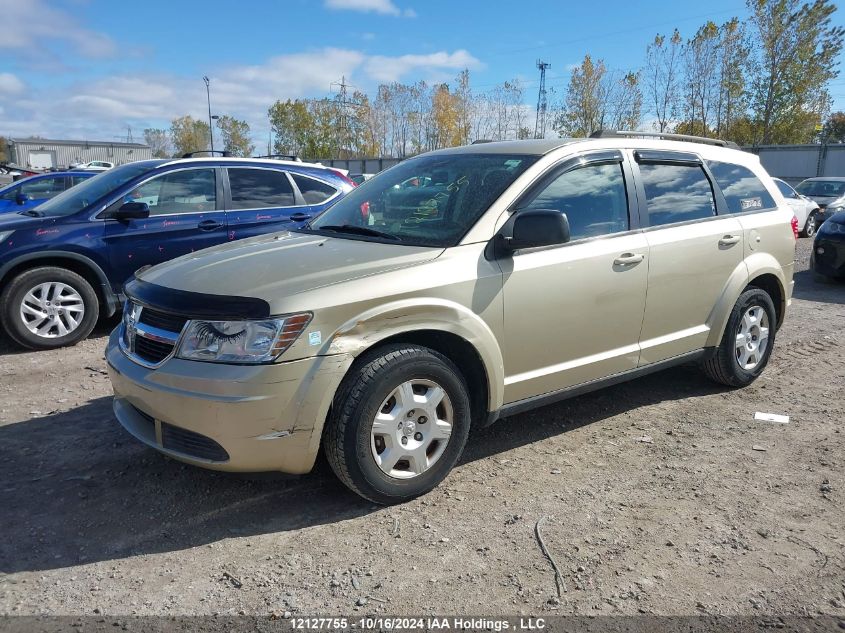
[
  {"x": 592, "y": 197},
  {"x": 75, "y": 180},
  {"x": 676, "y": 193},
  {"x": 260, "y": 189},
  {"x": 314, "y": 191},
  {"x": 743, "y": 191}
]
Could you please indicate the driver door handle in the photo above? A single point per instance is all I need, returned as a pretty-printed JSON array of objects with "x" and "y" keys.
[
  {"x": 209, "y": 225},
  {"x": 299, "y": 216},
  {"x": 729, "y": 240},
  {"x": 626, "y": 259}
]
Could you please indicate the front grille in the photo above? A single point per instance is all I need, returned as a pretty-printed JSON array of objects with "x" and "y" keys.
[
  {"x": 151, "y": 351},
  {"x": 162, "y": 320},
  {"x": 192, "y": 444}
]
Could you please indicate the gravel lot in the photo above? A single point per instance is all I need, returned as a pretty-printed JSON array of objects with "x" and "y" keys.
[{"x": 662, "y": 496}]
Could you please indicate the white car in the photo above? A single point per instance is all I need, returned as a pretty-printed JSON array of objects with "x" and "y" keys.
[
  {"x": 95, "y": 165},
  {"x": 804, "y": 208}
]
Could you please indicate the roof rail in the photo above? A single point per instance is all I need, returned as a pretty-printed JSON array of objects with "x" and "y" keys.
[
  {"x": 207, "y": 151},
  {"x": 669, "y": 137},
  {"x": 292, "y": 157},
  {"x": 481, "y": 140}
]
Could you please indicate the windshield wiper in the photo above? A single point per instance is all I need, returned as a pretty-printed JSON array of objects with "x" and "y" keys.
[
  {"x": 33, "y": 213},
  {"x": 358, "y": 230}
]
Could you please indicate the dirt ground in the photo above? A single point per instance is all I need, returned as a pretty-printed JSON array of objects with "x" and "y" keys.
[{"x": 662, "y": 496}]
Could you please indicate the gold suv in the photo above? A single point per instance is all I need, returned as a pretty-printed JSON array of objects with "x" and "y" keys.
[{"x": 458, "y": 287}]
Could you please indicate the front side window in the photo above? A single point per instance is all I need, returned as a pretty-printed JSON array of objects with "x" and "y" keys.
[
  {"x": 43, "y": 188},
  {"x": 676, "y": 193},
  {"x": 312, "y": 190},
  {"x": 260, "y": 189},
  {"x": 426, "y": 201},
  {"x": 593, "y": 198},
  {"x": 743, "y": 191},
  {"x": 186, "y": 191}
]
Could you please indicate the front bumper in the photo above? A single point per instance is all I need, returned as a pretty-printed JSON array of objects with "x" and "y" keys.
[
  {"x": 828, "y": 256},
  {"x": 245, "y": 418}
]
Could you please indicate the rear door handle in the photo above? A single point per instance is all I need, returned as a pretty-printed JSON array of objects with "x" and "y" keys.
[
  {"x": 626, "y": 259},
  {"x": 729, "y": 240},
  {"x": 209, "y": 225}
]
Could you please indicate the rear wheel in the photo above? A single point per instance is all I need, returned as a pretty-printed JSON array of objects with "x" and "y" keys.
[
  {"x": 810, "y": 226},
  {"x": 747, "y": 342},
  {"x": 399, "y": 423},
  {"x": 48, "y": 307}
]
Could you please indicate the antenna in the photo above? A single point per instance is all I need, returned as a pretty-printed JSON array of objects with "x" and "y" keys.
[{"x": 540, "y": 124}]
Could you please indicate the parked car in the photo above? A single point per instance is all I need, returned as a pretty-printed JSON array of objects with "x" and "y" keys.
[
  {"x": 826, "y": 191},
  {"x": 385, "y": 337},
  {"x": 360, "y": 179},
  {"x": 95, "y": 165},
  {"x": 64, "y": 263},
  {"x": 805, "y": 209},
  {"x": 828, "y": 257},
  {"x": 30, "y": 192}
]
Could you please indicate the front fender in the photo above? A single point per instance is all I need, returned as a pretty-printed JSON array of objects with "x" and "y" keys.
[{"x": 405, "y": 316}]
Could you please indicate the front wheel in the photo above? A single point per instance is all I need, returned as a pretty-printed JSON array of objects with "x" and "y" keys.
[
  {"x": 399, "y": 423},
  {"x": 747, "y": 342},
  {"x": 48, "y": 307},
  {"x": 810, "y": 226}
]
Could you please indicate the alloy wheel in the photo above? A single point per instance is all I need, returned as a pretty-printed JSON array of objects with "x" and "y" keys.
[
  {"x": 752, "y": 339},
  {"x": 52, "y": 309}
]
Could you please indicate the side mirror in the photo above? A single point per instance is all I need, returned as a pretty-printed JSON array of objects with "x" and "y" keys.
[
  {"x": 132, "y": 211},
  {"x": 21, "y": 198},
  {"x": 534, "y": 228}
]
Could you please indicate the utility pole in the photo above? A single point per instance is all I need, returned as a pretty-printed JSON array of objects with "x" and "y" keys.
[
  {"x": 208, "y": 95},
  {"x": 345, "y": 136},
  {"x": 540, "y": 124}
]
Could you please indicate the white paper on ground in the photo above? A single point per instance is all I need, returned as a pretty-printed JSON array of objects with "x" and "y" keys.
[{"x": 771, "y": 417}]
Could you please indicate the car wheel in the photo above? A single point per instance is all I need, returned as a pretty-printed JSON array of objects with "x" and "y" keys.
[
  {"x": 810, "y": 226},
  {"x": 49, "y": 307},
  {"x": 399, "y": 423},
  {"x": 747, "y": 342}
]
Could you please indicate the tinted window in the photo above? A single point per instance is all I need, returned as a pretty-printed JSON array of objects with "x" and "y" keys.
[
  {"x": 743, "y": 191},
  {"x": 676, "y": 193},
  {"x": 431, "y": 200},
  {"x": 78, "y": 179},
  {"x": 314, "y": 191},
  {"x": 187, "y": 191},
  {"x": 592, "y": 197},
  {"x": 260, "y": 189},
  {"x": 43, "y": 187},
  {"x": 822, "y": 188}
]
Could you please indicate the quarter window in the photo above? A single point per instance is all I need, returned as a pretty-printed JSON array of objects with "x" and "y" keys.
[
  {"x": 187, "y": 191},
  {"x": 676, "y": 193},
  {"x": 743, "y": 191},
  {"x": 592, "y": 197},
  {"x": 260, "y": 189},
  {"x": 313, "y": 191}
]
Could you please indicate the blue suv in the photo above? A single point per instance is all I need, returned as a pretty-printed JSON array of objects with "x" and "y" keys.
[
  {"x": 64, "y": 263},
  {"x": 30, "y": 192}
]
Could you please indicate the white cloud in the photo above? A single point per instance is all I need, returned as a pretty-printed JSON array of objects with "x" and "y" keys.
[
  {"x": 28, "y": 25},
  {"x": 384, "y": 7},
  {"x": 383, "y": 68},
  {"x": 10, "y": 84}
]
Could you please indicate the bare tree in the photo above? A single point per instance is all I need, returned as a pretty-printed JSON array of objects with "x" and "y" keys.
[{"x": 662, "y": 77}]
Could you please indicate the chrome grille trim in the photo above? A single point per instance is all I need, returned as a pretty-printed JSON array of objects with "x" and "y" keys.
[{"x": 131, "y": 328}]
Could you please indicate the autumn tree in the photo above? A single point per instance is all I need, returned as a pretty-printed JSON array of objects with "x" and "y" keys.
[
  {"x": 158, "y": 141},
  {"x": 834, "y": 128},
  {"x": 662, "y": 78},
  {"x": 189, "y": 135},
  {"x": 794, "y": 59},
  {"x": 4, "y": 145},
  {"x": 235, "y": 135},
  {"x": 733, "y": 55}
]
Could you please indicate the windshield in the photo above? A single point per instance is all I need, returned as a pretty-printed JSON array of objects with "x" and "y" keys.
[
  {"x": 824, "y": 188},
  {"x": 78, "y": 197},
  {"x": 426, "y": 201}
]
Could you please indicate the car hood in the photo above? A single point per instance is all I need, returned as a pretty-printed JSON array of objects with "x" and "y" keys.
[
  {"x": 16, "y": 221},
  {"x": 277, "y": 266}
]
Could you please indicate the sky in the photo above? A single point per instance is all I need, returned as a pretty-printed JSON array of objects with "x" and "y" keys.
[{"x": 91, "y": 69}]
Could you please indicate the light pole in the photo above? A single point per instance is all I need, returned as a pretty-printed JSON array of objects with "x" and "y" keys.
[{"x": 208, "y": 94}]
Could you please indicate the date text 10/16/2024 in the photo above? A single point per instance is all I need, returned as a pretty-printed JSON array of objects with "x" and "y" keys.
[{"x": 403, "y": 624}]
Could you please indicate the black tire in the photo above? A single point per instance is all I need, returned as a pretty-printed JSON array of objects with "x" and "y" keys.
[
  {"x": 809, "y": 226},
  {"x": 723, "y": 367},
  {"x": 15, "y": 291},
  {"x": 347, "y": 441}
]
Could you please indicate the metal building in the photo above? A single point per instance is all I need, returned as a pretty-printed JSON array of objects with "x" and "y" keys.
[{"x": 40, "y": 153}]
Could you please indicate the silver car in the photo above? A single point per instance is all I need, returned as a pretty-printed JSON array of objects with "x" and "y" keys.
[
  {"x": 805, "y": 209},
  {"x": 826, "y": 191}
]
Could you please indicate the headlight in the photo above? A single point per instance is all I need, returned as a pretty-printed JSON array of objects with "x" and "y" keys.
[
  {"x": 241, "y": 341},
  {"x": 832, "y": 210},
  {"x": 832, "y": 227},
  {"x": 4, "y": 235}
]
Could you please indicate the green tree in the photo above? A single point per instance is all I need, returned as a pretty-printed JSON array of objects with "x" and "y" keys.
[
  {"x": 159, "y": 142},
  {"x": 4, "y": 145},
  {"x": 189, "y": 135},
  {"x": 794, "y": 59},
  {"x": 834, "y": 128},
  {"x": 235, "y": 135}
]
